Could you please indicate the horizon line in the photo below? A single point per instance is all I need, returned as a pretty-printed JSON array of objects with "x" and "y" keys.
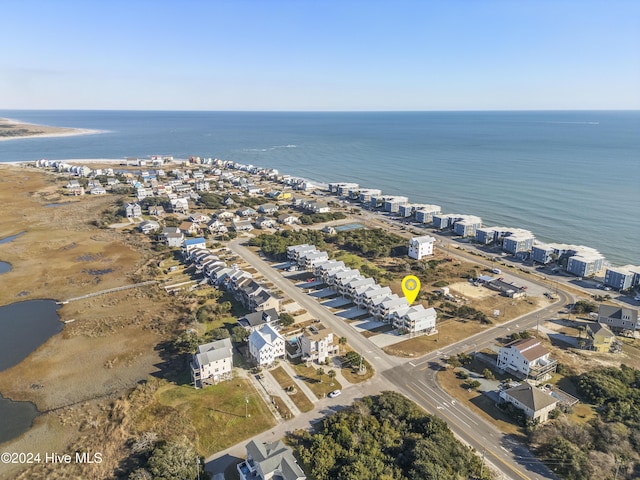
[{"x": 323, "y": 111}]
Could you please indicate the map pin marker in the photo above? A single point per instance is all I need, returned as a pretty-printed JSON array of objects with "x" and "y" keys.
[{"x": 410, "y": 288}]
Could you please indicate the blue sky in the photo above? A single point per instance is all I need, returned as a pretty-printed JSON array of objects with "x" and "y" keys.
[{"x": 320, "y": 55}]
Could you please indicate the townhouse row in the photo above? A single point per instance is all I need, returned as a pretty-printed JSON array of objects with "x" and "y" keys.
[{"x": 378, "y": 301}]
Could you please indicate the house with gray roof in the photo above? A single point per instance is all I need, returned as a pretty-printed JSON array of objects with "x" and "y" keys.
[
  {"x": 267, "y": 461},
  {"x": 618, "y": 318},
  {"x": 535, "y": 403},
  {"x": 212, "y": 363},
  {"x": 257, "y": 320}
]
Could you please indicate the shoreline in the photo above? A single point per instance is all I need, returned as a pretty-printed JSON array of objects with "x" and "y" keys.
[
  {"x": 34, "y": 130},
  {"x": 320, "y": 185}
]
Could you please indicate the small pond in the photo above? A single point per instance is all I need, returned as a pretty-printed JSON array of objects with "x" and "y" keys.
[{"x": 25, "y": 326}]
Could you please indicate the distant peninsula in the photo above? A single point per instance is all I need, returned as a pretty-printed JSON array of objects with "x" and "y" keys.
[{"x": 13, "y": 129}]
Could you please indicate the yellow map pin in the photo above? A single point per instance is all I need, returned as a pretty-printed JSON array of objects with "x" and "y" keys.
[{"x": 411, "y": 287}]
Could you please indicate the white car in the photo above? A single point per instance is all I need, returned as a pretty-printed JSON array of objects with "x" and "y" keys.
[{"x": 335, "y": 393}]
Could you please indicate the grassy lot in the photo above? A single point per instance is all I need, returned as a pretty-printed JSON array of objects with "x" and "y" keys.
[
  {"x": 216, "y": 413},
  {"x": 282, "y": 408},
  {"x": 285, "y": 381},
  {"x": 479, "y": 403},
  {"x": 320, "y": 386},
  {"x": 451, "y": 331},
  {"x": 352, "y": 375}
]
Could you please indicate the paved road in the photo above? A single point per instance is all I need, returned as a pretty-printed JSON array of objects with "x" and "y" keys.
[{"x": 416, "y": 378}]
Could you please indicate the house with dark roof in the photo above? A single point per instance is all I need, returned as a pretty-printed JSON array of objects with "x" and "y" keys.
[
  {"x": 618, "y": 318},
  {"x": 526, "y": 358},
  {"x": 267, "y": 461},
  {"x": 257, "y": 320},
  {"x": 535, "y": 403}
]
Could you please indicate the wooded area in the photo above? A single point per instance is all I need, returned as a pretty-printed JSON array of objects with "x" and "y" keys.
[{"x": 386, "y": 437}]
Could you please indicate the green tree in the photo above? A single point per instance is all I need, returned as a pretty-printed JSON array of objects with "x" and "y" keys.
[
  {"x": 320, "y": 372},
  {"x": 331, "y": 374},
  {"x": 342, "y": 341},
  {"x": 286, "y": 319},
  {"x": 239, "y": 334},
  {"x": 488, "y": 374},
  {"x": 219, "y": 333},
  {"x": 174, "y": 460},
  {"x": 187, "y": 342}
]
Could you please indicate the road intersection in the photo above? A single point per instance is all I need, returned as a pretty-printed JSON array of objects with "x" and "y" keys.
[{"x": 416, "y": 378}]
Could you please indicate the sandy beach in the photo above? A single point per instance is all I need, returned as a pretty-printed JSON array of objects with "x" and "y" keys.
[{"x": 15, "y": 130}]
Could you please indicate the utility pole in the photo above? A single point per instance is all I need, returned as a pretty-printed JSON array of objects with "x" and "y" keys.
[
  {"x": 482, "y": 465},
  {"x": 537, "y": 324},
  {"x": 246, "y": 406},
  {"x": 615, "y": 477}
]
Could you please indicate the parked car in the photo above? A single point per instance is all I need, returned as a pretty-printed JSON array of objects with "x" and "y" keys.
[{"x": 335, "y": 393}]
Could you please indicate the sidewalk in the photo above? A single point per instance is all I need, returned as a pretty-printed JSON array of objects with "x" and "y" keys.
[
  {"x": 303, "y": 386},
  {"x": 273, "y": 388}
]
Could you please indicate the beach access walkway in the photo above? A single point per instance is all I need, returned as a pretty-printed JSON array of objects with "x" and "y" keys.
[{"x": 109, "y": 290}]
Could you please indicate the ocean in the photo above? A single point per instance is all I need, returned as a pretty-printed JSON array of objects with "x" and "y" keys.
[{"x": 568, "y": 176}]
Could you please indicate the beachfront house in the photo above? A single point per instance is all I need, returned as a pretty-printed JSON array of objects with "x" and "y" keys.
[
  {"x": 421, "y": 246},
  {"x": 212, "y": 363},
  {"x": 287, "y": 219},
  {"x": 526, "y": 358},
  {"x": 425, "y": 213},
  {"x": 622, "y": 278},
  {"x": 466, "y": 225},
  {"x": 585, "y": 263},
  {"x": 392, "y": 204},
  {"x": 518, "y": 241}
]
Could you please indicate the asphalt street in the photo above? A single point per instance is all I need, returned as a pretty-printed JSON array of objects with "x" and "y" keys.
[{"x": 416, "y": 378}]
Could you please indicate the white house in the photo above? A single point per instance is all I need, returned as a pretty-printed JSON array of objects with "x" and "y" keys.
[
  {"x": 267, "y": 461},
  {"x": 133, "y": 210},
  {"x": 316, "y": 343},
  {"x": 421, "y": 246},
  {"x": 265, "y": 345},
  {"x": 212, "y": 363},
  {"x": 526, "y": 358},
  {"x": 149, "y": 226},
  {"x": 415, "y": 319}
]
